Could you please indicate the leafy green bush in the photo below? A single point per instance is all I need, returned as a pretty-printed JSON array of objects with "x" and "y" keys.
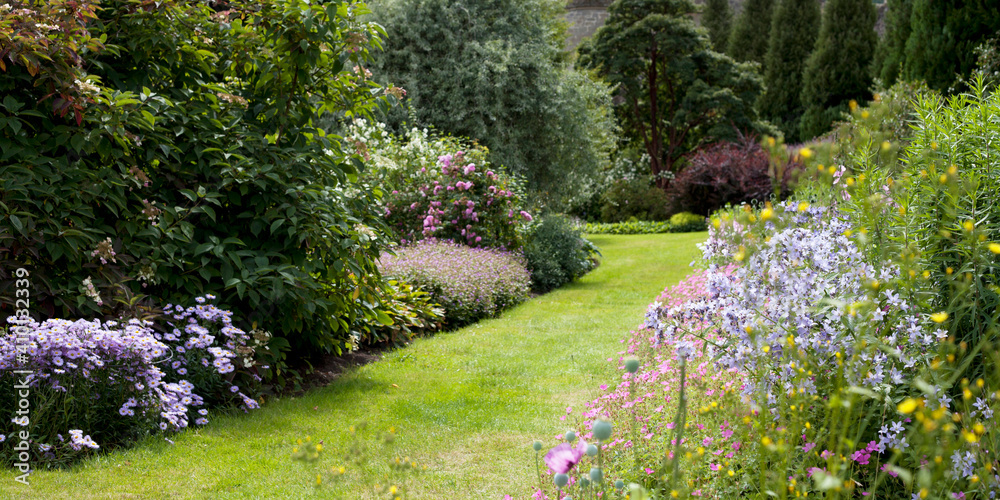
[
  {"x": 469, "y": 283},
  {"x": 686, "y": 222},
  {"x": 557, "y": 253},
  {"x": 638, "y": 197},
  {"x": 406, "y": 311},
  {"x": 186, "y": 161}
]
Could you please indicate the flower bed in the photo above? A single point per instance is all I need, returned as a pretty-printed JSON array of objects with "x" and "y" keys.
[
  {"x": 469, "y": 283},
  {"x": 103, "y": 385}
]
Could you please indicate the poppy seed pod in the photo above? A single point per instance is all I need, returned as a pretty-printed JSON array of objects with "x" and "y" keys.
[
  {"x": 560, "y": 479},
  {"x": 602, "y": 430},
  {"x": 570, "y": 436},
  {"x": 631, "y": 365},
  {"x": 596, "y": 475},
  {"x": 537, "y": 446},
  {"x": 591, "y": 450}
]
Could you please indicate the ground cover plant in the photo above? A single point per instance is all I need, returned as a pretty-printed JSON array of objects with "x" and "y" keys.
[
  {"x": 444, "y": 410},
  {"x": 468, "y": 283}
]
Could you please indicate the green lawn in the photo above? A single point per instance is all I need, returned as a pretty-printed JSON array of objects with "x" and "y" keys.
[{"x": 466, "y": 404}]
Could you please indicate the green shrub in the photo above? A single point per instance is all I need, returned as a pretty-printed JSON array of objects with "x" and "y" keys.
[
  {"x": 186, "y": 161},
  {"x": 557, "y": 253},
  {"x": 638, "y": 197},
  {"x": 687, "y": 222}
]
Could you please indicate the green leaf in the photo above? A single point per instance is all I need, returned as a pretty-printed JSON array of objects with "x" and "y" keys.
[{"x": 17, "y": 223}]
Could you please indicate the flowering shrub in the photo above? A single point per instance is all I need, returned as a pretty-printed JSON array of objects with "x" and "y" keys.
[
  {"x": 441, "y": 187},
  {"x": 469, "y": 283},
  {"x": 96, "y": 384}
]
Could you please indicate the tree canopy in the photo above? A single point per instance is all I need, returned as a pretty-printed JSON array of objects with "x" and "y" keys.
[
  {"x": 793, "y": 36},
  {"x": 494, "y": 71},
  {"x": 677, "y": 93}
]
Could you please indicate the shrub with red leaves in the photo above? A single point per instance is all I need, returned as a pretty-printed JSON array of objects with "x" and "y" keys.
[{"x": 726, "y": 172}]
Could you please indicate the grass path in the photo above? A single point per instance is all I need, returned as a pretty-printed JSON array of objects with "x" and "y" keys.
[{"x": 466, "y": 404}]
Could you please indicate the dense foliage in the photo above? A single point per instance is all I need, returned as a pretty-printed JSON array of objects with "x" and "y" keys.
[
  {"x": 170, "y": 149},
  {"x": 441, "y": 187},
  {"x": 636, "y": 198},
  {"x": 469, "y": 283},
  {"x": 943, "y": 37},
  {"x": 728, "y": 173},
  {"x": 838, "y": 69},
  {"x": 677, "y": 93},
  {"x": 748, "y": 39},
  {"x": 493, "y": 70},
  {"x": 891, "y": 50},
  {"x": 557, "y": 253},
  {"x": 793, "y": 36},
  {"x": 717, "y": 18}
]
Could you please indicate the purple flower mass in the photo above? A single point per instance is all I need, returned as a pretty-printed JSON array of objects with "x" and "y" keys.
[{"x": 563, "y": 457}]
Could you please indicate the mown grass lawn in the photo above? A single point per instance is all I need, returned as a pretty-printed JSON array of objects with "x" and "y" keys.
[{"x": 465, "y": 404}]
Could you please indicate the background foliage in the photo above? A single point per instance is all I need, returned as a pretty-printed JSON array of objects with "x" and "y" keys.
[{"x": 170, "y": 150}]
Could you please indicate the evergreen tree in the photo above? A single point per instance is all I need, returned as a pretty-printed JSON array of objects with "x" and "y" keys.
[
  {"x": 677, "y": 94},
  {"x": 793, "y": 36},
  {"x": 945, "y": 33},
  {"x": 494, "y": 70},
  {"x": 717, "y": 18},
  {"x": 890, "y": 53},
  {"x": 748, "y": 41},
  {"x": 838, "y": 69}
]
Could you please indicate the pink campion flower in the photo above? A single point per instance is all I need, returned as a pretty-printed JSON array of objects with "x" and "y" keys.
[{"x": 563, "y": 457}]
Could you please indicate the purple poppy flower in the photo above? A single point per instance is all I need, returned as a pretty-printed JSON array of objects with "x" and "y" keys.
[{"x": 562, "y": 458}]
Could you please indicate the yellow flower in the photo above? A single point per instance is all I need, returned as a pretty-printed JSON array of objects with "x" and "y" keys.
[
  {"x": 766, "y": 441},
  {"x": 907, "y": 406},
  {"x": 803, "y": 206},
  {"x": 939, "y": 317},
  {"x": 770, "y": 142},
  {"x": 853, "y": 105},
  {"x": 886, "y": 145},
  {"x": 994, "y": 247},
  {"x": 731, "y": 473},
  {"x": 864, "y": 114},
  {"x": 766, "y": 214},
  {"x": 805, "y": 153},
  {"x": 968, "y": 225},
  {"x": 943, "y": 179}
]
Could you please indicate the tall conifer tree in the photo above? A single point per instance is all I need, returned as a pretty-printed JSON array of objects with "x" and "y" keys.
[
  {"x": 890, "y": 53},
  {"x": 838, "y": 69},
  {"x": 748, "y": 41},
  {"x": 945, "y": 33},
  {"x": 717, "y": 18},
  {"x": 793, "y": 37}
]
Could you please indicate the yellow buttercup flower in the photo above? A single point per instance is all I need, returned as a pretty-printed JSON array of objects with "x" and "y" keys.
[
  {"x": 994, "y": 247},
  {"x": 939, "y": 317},
  {"x": 907, "y": 406}
]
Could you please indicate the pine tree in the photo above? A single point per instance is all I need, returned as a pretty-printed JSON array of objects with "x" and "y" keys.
[
  {"x": 793, "y": 36},
  {"x": 749, "y": 38},
  {"x": 717, "y": 18},
  {"x": 890, "y": 53},
  {"x": 838, "y": 69},
  {"x": 945, "y": 33}
]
